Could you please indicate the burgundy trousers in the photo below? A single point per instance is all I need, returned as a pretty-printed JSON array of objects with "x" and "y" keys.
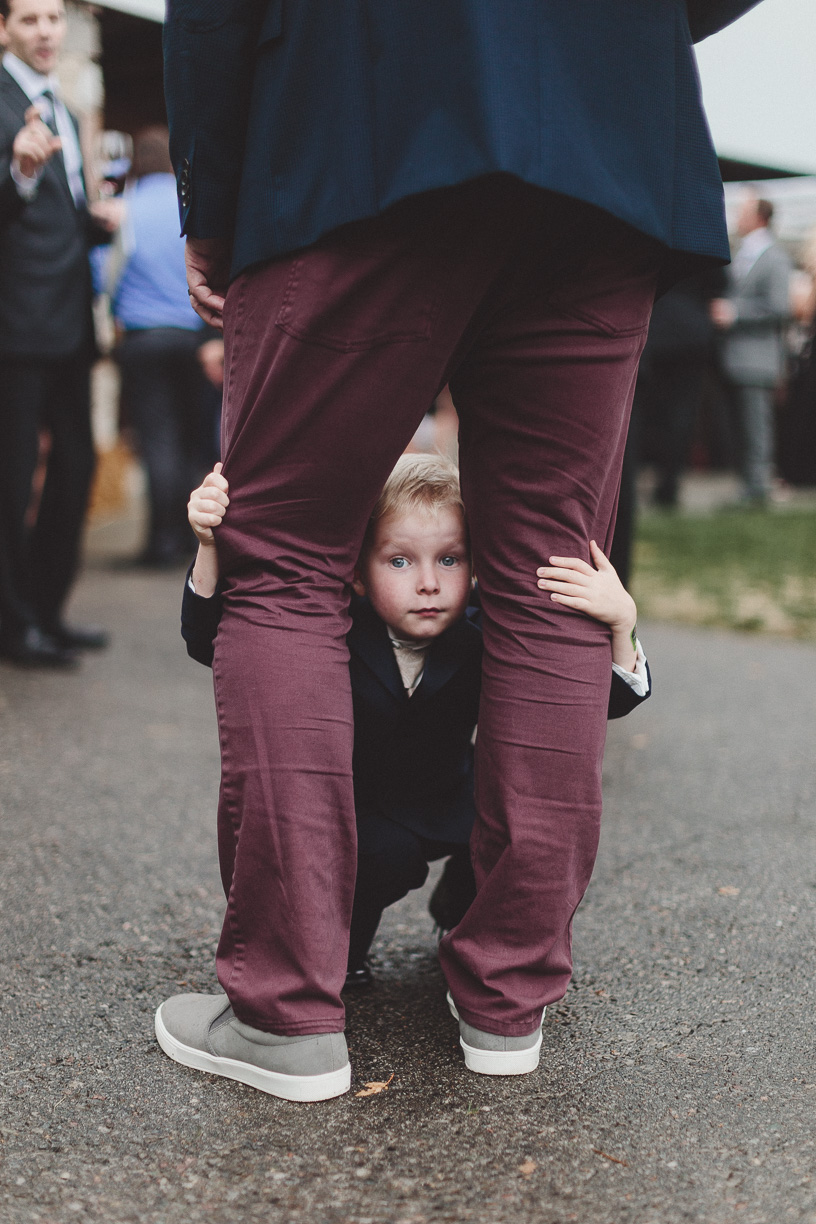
[{"x": 534, "y": 308}]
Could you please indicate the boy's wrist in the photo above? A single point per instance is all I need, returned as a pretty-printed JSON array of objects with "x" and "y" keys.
[
  {"x": 205, "y": 573},
  {"x": 624, "y": 645},
  {"x": 626, "y": 623}
]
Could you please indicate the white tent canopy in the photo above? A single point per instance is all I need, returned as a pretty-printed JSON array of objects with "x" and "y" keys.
[
  {"x": 758, "y": 82},
  {"x": 759, "y": 86},
  {"x": 153, "y": 10}
]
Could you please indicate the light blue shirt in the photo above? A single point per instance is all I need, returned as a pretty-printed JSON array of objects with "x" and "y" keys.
[{"x": 152, "y": 290}]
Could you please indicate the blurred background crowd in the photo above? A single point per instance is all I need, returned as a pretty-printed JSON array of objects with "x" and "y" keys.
[{"x": 727, "y": 382}]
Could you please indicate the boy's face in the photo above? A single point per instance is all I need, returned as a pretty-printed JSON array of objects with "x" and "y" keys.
[{"x": 416, "y": 572}]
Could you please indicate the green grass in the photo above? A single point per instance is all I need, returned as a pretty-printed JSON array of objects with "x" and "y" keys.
[{"x": 749, "y": 570}]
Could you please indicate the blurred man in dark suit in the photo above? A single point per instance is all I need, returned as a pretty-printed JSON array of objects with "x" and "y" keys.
[
  {"x": 46, "y": 340},
  {"x": 382, "y": 199}
]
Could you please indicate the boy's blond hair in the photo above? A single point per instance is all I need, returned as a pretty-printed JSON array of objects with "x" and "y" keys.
[{"x": 426, "y": 482}]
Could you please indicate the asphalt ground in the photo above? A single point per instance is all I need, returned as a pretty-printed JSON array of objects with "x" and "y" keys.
[{"x": 677, "y": 1079}]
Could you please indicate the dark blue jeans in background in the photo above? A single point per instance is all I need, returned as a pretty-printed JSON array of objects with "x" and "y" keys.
[{"x": 170, "y": 405}]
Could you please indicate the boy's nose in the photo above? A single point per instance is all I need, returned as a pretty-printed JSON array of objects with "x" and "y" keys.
[{"x": 428, "y": 581}]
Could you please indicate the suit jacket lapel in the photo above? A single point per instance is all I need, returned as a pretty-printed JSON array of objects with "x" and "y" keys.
[
  {"x": 446, "y": 655},
  {"x": 14, "y": 95},
  {"x": 368, "y": 639},
  {"x": 20, "y": 102}
]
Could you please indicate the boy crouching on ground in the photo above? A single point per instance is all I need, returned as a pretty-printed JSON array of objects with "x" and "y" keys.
[{"x": 415, "y": 649}]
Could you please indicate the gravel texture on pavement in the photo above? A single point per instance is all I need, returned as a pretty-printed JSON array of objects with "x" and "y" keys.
[{"x": 677, "y": 1079}]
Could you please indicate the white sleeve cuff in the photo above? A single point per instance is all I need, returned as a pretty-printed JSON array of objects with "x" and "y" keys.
[
  {"x": 26, "y": 187},
  {"x": 638, "y": 680}
]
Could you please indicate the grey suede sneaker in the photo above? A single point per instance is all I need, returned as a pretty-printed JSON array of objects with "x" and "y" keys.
[
  {"x": 202, "y": 1031},
  {"x": 489, "y": 1054}
]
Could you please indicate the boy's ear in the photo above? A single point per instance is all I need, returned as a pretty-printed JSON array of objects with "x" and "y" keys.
[{"x": 357, "y": 583}]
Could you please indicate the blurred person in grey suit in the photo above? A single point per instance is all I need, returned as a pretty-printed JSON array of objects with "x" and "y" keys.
[{"x": 752, "y": 317}]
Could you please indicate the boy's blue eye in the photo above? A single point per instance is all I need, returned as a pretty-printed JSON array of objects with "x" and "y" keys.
[
  {"x": 448, "y": 561},
  {"x": 398, "y": 562}
]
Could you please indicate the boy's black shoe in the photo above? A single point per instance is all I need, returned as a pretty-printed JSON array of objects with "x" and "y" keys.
[{"x": 359, "y": 978}]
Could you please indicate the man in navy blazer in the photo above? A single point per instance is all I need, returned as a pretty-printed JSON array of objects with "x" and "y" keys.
[{"x": 381, "y": 199}]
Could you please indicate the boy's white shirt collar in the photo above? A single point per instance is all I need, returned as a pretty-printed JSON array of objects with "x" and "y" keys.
[{"x": 410, "y": 658}]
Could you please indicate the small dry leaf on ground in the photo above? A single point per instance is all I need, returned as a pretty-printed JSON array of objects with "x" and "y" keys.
[
  {"x": 528, "y": 1168},
  {"x": 374, "y": 1086},
  {"x": 614, "y": 1159},
  {"x": 728, "y": 890}
]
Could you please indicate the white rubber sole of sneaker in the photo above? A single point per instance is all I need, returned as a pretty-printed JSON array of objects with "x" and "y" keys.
[
  {"x": 498, "y": 1062},
  {"x": 287, "y": 1087}
]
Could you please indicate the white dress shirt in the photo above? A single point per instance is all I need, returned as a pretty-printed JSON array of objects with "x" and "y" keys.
[{"x": 34, "y": 85}]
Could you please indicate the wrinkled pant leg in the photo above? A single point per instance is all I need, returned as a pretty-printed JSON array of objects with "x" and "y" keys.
[
  {"x": 544, "y": 402},
  {"x": 756, "y": 429},
  {"x": 332, "y": 358}
]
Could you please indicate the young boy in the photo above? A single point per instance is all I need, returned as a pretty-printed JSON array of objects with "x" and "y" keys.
[{"x": 415, "y": 649}]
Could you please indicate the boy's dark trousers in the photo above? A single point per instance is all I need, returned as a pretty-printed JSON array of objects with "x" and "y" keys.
[
  {"x": 392, "y": 861},
  {"x": 534, "y": 308}
]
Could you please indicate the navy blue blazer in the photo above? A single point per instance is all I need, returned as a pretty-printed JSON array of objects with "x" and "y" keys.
[
  {"x": 413, "y": 756},
  {"x": 291, "y": 117}
]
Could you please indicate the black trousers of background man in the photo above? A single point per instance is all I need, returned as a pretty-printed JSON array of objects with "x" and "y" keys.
[
  {"x": 40, "y": 539},
  {"x": 173, "y": 410}
]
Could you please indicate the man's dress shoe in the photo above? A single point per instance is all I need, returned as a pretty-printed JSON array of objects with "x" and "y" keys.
[
  {"x": 79, "y": 637},
  {"x": 33, "y": 648}
]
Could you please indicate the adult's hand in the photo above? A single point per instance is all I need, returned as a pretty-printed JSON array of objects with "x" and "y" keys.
[
  {"x": 108, "y": 214},
  {"x": 208, "y": 264},
  {"x": 211, "y": 359},
  {"x": 723, "y": 313},
  {"x": 34, "y": 144}
]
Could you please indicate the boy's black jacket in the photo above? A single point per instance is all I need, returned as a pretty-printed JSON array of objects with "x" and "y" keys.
[{"x": 413, "y": 756}]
